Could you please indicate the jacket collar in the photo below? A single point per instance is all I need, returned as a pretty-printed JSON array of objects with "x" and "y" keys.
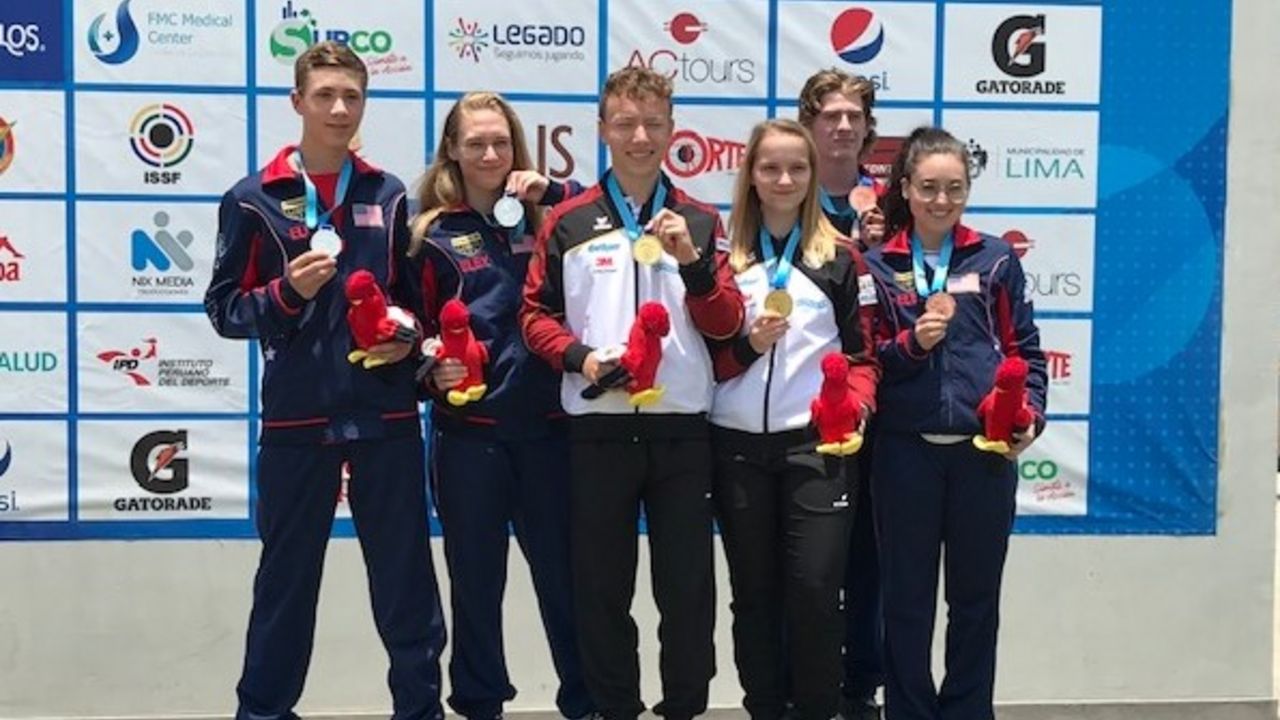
[
  {"x": 900, "y": 244},
  {"x": 280, "y": 169}
]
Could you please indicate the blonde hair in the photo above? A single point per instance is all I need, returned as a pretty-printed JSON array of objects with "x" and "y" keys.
[
  {"x": 636, "y": 83},
  {"x": 818, "y": 236},
  {"x": 442, "y": 185}
]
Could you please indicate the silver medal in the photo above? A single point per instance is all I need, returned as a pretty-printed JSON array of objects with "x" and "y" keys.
[
  {"x": 508, "y": 211},
  {"x": 327, "y": 241}
]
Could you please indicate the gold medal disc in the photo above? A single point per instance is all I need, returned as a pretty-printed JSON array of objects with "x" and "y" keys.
[
  {"x": 647, "y": 250},
  {"x": 778, "y": 301}
]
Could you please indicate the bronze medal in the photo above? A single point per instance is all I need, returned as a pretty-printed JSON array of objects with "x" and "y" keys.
[
  {"x": 942, "y": 304},
  {"x": 862, "y": 199}
]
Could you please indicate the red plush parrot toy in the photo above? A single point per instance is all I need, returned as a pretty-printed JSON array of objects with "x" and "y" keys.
[
  {"x": 371, "y": 320},
  {"x": 835, "y": 413},
  {"x": 458, "y": 342},
  {"x": 644, "y": 352},
  {"x": 1004, "y": 410}
]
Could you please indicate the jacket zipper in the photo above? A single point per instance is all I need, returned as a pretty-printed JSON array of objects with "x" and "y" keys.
[{"x": 768, "y": 383}]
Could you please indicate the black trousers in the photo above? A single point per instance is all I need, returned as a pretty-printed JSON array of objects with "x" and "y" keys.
[
  {"x": 785, "y": 513},
  {"x": 612, "y": 475}
]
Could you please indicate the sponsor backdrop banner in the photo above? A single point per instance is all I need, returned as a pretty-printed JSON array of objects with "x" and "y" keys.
[{"x": 1098, "y": 143}]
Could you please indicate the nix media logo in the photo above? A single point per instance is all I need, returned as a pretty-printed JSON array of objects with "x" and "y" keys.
[
  {"x": 129, "y": 362},
  {"x": 161, "y": 249},
  {"x": 468, "y": 39},
  {"x": 1018, "y": 46},
  {"x": 7, "y": 144},
  {"x": 117, "y": 46},
  {"x": 857, "y": 35},
  {"x": 685, "y": 28}
]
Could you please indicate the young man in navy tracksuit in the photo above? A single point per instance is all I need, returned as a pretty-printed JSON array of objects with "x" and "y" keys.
[
  {"x": 318, "y": 409},
  {"x": 952, "y": 308},
  {"x": 501, "y": 461},
  {"x": 585, "y": 286}
]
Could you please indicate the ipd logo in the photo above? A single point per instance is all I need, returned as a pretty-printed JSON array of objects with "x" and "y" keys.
[
  {"x": 1018, "y": 46},
  {"x": 158, "y": 462},
  {"x": 31, "y": 41},
  {"x": 857, "y": 35}
]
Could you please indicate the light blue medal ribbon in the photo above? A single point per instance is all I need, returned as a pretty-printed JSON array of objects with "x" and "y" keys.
[
  {"x": 829, "y": 205},
  {"x": 314, "y": 218},
  {"x": 779, "y": 274},
  {"x": 923, "y": 288},
  {"x": 629, "y": 221}
]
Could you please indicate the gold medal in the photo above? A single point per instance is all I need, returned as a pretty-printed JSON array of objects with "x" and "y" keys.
[
  {"x": 778, "y": 301},
  {"x": 647, "y": 250}
]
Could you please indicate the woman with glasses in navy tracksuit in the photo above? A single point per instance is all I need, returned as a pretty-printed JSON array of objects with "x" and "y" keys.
[{"x": 952, "y": 308}]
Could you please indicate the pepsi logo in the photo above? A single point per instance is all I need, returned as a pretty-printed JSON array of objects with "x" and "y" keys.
[
  {"x": 1019, "y": 241},
  {"x": 857, "y": 35},
  {"x": 685, "y": 28}
]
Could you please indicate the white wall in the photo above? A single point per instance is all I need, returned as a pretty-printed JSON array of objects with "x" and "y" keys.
[{"x": 155, "y": 629}]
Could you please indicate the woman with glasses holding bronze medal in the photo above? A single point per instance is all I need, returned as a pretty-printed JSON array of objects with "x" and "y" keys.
[
  {"x": 952, "y": 308},
  {"x": 501, "y": 460},
  {"x": 785, "y": 508}
]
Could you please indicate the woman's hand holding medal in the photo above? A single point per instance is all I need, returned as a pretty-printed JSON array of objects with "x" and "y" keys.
[
  {"x": 308, "y": 272},
  {"x": 766, "y": 330},
  {"x": 931, "y": 326}
]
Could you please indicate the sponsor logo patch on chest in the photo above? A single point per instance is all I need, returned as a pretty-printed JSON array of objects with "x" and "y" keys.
[{"x": 467, "y": 245}]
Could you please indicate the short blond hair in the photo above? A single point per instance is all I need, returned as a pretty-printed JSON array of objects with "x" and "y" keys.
[{"x": 636, "y": 83}]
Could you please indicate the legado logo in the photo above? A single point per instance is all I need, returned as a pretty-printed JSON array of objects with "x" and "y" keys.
[
  {"x": 162, "y": 136},
  {"x": 691, "y": 154},
  {"x": 1018, "y": 50},
  {"x": 517, "y": 42},
  {"x": 31, "y": 41},
  {"x": 159, "y": 465},
  {"x": 688, "y": 66}
]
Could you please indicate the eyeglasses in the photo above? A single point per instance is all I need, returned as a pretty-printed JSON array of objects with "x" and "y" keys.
[
  {"x": 930, "y": 190},
  {"x": 476, "y": 148}
]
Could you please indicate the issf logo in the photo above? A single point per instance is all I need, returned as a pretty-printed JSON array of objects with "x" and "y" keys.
[{"x": 114, "y": 42}]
